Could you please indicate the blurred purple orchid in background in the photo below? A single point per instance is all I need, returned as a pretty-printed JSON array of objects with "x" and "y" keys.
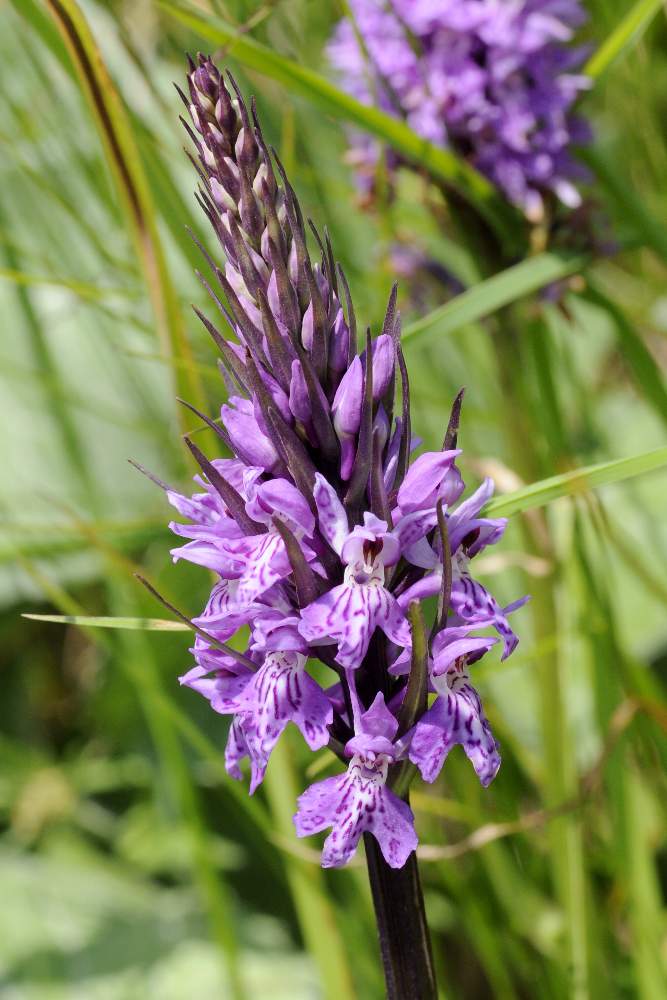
[{"x": 495, "y": 80}]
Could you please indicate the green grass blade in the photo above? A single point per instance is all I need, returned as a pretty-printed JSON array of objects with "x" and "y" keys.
[
  {"x": 625, "y": 34},
  {"x": 502, "y": 289},
  {"x": 124, "y": 161},
  {"x": 441, "y": 163},
  {"x": 577, "y": 482},
  {"x": 105, "y": 621}
]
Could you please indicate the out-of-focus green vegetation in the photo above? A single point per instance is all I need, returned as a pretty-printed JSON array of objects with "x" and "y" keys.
[{"x": 130, "y": 865}]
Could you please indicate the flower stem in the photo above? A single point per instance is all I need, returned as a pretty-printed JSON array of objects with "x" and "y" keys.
[{"x": 405, "y": 944}]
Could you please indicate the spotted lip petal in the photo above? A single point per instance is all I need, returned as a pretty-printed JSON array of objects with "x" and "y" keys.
[
  {"x": 456, "y": 717},
  {"x": 353, "y": 803}
]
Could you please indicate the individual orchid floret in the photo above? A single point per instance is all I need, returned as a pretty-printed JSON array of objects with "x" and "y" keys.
[
  {"x": 494, "y": 81},
  {"x": 264, "y": 701},
  {"x": 456, "y": 716},
  {"x": 470, "y": 601},
  {"x": 350, "y": 613},
  {"x": 256, "y": 561},
  {"x": 359, "y": 800}
]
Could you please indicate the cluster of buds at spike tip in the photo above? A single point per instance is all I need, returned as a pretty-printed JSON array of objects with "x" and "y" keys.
[{"x": 324, "y": 533}]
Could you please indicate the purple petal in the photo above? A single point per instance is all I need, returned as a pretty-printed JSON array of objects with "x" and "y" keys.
[
  {"x": 431, "y": 477},
  {"x": 455, "y": 717},
  {"x": 330, "y": 513}
]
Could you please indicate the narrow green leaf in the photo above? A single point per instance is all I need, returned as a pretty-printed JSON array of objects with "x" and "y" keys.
[
  {"x": 626, "y": 33},
  {"x": 441, "y": 163},
  {"x": 502, "y": 289},
  {"x": 577, "y": 482},
  {"x": 92, "y": 621}
]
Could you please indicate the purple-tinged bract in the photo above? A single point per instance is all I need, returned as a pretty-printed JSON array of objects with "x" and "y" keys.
[
  {"x": 320, "y": 529},
  {"x": 494, "y": 80}
]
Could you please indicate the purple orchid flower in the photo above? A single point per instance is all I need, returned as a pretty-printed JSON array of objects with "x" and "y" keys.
[
  {"x": 470, "y": 601},
  {"x": 323, "y": 528},
  {"x": 266, "y": 700},
  {"x": 457, "y": 716},
  {"x": 495, "y": 82},
  {"x": 359, "y": 800},
  {"x": 350, "y": 613}
]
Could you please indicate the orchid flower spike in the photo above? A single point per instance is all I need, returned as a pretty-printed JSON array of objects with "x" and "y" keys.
[{"x": 320, "y": 527}]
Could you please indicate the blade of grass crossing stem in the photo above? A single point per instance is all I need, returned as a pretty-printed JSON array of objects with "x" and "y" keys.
[
  {"x": 126, "y": 167},
  {"x": 133, "y": 624},
  {"x": 136, "y": 658},
  {"x": 626, "y": 33},
  {"x": 649, "y": 378},
  {"x": 316, "y": 915},
  {"x": 578, "y": 482},
  {"x": 441, "y": 163},
  {"x": 493, "y": 293}
]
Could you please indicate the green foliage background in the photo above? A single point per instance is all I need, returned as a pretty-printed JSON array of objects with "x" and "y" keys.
[{"x": 130, "y": 865}]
